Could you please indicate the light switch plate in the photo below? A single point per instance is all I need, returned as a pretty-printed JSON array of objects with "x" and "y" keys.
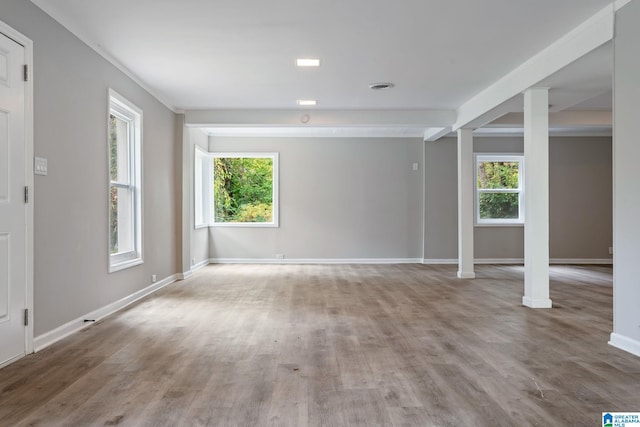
[{"x": 40, "y": 166}]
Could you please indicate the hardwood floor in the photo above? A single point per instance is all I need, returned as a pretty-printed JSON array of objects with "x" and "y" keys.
[{"x": 345, "y": 345}]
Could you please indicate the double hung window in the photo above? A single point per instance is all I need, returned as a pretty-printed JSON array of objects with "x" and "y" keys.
[
  {"x": 499, "y": 189},
  {"x": 125, "y": 179}
]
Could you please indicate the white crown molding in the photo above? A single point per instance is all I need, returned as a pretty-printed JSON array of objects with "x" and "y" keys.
[{"x": 54, "y": 13}]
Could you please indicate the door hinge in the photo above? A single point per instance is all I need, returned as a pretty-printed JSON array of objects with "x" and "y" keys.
[
  {"x": 26, "y": 317},
  {"x": 26, "y": 194},
  {"x": 25, "y": 72}
]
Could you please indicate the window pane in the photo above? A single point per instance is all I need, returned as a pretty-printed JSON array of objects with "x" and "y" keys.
[
  {"x": 498, "y": 175},
  {"x": 498, "y": 205},
  {"x": 243, "y": 189},
  {"x": 121, "y": 227},
  {"x": 119, "y": 149}
]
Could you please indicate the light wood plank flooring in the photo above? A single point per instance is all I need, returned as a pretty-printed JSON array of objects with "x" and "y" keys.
[{"x": 346, "y": 345}]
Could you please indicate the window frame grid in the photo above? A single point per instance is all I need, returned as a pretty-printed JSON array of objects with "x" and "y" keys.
[
  {"x": 121, "y": 108},
  {"x": 499, "y": 157}
]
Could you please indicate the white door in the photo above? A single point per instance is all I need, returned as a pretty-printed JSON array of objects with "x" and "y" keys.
[{"x": 12, "y": 201}]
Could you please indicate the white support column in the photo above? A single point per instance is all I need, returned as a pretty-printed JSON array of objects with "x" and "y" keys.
[
  {"x": 465, "y": 204},
  {"x": 536, "y": 204}
]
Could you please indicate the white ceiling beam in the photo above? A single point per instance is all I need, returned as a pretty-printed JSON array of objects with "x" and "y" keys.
[
  {"x": 589, "y": 35},
  {"x": 620, "y": 3},
  {"x": 434, "y": 134},
  {"x": 314, "y": 132},
  {"x": 320, "y": 118},
  {"x": 567, "y": 118}
]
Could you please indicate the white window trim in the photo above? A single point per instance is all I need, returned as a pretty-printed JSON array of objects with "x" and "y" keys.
[
  {"x": 500, "y": 157},
  {"x": 274, "y": 196},
  {"x": 208, "y": 190},
  {"x": 202, "y": 201},
  {"x": 122, "y": 107}
]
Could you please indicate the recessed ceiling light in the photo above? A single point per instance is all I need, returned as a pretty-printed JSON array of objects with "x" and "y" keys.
[
  {"x": 308, "y": 62},
  {"x": 306, "y": 102},
  {"x": 381, "y": 86}
]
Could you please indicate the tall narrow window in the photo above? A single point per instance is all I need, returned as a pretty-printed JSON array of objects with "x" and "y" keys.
[
  {"x": 499, "y": 189},
  {"x": 125, "y": 183}
]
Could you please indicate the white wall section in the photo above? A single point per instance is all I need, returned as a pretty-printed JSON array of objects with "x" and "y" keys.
[{"x": 626, "y": 152}]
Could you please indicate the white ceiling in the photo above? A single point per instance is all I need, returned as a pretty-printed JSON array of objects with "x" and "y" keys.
[{"x": 212, "y": 54}]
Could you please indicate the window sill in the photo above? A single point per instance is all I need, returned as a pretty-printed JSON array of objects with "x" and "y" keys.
[
  {"x": 507, "y": 224},
  {"x": 245, "y": 225},
  {"x": 113, "y": 267}
]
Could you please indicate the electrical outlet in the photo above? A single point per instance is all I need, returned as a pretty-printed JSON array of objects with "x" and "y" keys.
[
  {"x": 610, "y": 250},
  {"x": 154, "y": 278},
  {"x": 279, "y": 256},
  {"x": 193, "y": 261},
  {"x": 415, "y": 166}
]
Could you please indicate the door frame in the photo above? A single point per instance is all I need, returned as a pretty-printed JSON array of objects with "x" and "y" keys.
[{"x": 27, "y": 43}]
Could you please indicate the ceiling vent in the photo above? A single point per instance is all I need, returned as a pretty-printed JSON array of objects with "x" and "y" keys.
[{"x": 381, "y": 86}]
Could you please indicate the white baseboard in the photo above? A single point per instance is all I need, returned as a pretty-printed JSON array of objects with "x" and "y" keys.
[
  {"x": 443, "y": 261},
  {"x": 42, "y": 341},
  {"x": 520, "y": 261},
  {"x": 200, "y": 265},
  {"x": 625, "y": 343},
  {"x": 185, "y": 275},
  {"x": 438, "y": 261},
  {"x": 506, "y": 261},
  {"x": 12, "y": 360},
  {"x": 315, "y": 261},
  {"x": 599, "y": 261}
]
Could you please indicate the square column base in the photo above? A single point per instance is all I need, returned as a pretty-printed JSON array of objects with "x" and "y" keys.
[
  {"x": 466, "y": 275},
  {"x": 536, "y": 303}
]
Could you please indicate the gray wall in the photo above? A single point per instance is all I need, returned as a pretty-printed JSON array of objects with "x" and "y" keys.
[
  {"x": 580, "y": 173},
  {"x": 441, "y": 200},
  {"x": 580, "y": 197},
  {"x": 339, "y": 198},
  {"x": 71, "y": 210},
  {"x": 626, "y": 282}
]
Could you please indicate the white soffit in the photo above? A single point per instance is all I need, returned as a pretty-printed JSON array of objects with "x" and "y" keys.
[
  {"x": 321, "y": 118},
  {"x": 315, "y": 132}
]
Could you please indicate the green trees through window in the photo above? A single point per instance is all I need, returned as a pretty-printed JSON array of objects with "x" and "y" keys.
[
  {"x": 499, "y": 189},
  {"x": 243, "y": 189}
]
